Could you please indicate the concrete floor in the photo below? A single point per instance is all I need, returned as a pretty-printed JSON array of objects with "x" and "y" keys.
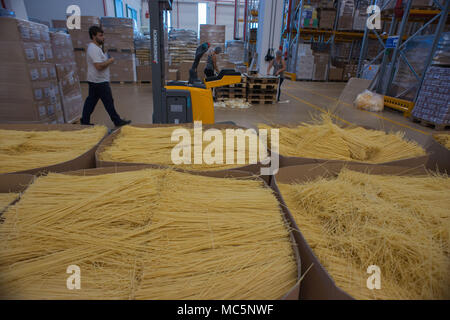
[{"x": 300, "y": 101}]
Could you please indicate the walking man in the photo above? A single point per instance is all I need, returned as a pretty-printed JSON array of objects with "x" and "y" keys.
[
  {"x": 279, "y": 65},
  {"x": 98, "y": 79}
]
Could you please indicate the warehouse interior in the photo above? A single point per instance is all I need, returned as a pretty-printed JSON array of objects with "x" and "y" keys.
[{"x": 345, "y": 105}]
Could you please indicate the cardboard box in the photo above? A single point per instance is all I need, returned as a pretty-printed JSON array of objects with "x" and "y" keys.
[
  {"x": 345, "y": 19},
  {"x": 144, "y": 73},
  {"x": 320, "y": 66},
  {"x": 335, "y": 74},
  {"x": 327, "y": 18},
  {"x": 19, "y": 183},
  {"x": 59, "y": 24},
  {"x": 172, "y": 75},
  {"x": 317, "y": 283},
  {"x": 83, "y": 161},
  {"x": 80, "y": 39},
  {"x": 214, "y": 34},
  {"x": 253, "y": 168},
  {"x": 13, "y": 29}
]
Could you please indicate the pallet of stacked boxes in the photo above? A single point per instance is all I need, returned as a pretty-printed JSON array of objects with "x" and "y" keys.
[
  {"x": 143, "y": 65},
  {"x": 262, "y": 90},
  {"x": 305, "y": 62},
  {"x": 80, "y": 41},
  {"x": 28, "y": 86},
  {"x": 326, "y": 18},
  {"x": 119, "y": 43},
  {"x": 213, "y": 34},
  {"x": 67, "y": 75}
]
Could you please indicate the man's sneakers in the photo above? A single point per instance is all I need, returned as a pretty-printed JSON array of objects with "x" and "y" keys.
[{"x": 122, "y": 122}]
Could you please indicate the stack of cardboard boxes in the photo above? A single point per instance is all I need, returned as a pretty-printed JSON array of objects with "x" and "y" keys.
[
  {"x": 119, "y": 44},
  {"x": 320, "y": 66},
  {"x": 305, "y": 62},
  {"x": 143, "y": 66},
  {"x": 66, "y": 71},
  {"x": 213, "y": 34},
  {"x": 360, "y": 17},
  {"x": 28, "y": 86},
  {"x": 327, "y": 17},
  {"x": 309, "y": 17}
]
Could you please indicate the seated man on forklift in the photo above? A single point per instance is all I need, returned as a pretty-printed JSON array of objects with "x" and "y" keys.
[{"x": 211, "y": 63}]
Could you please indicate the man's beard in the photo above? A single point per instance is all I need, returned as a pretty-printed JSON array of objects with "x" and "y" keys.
[{"x": 99, "y": 41}]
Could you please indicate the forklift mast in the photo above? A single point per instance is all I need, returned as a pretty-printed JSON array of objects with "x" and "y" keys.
[{"x": 156, "y": 9}]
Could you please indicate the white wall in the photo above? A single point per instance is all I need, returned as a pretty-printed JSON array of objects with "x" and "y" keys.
[
  {"x": 262, "y": 41},
  {"x": 188, "y": 15}
]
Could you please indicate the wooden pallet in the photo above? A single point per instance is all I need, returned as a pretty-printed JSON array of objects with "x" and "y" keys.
[
  {"x": 255, "y": 101},
  {"x": 254, "y": 80},
  {"x": 143, "y": 81},
  {"x": 231, "y": 95},
  {"x": 231, "y": 90},
  {"x": 120, "y": 50},
  {"x": 262, "y": 91},
  {"x": 426, "y": 123},
  {"x": 262, "y": 86},
  {"x": 261, "y": 97}
]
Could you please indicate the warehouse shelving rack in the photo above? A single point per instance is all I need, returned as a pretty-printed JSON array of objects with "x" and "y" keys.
[
  {"x": 292, "y": 34},
  {"x": 388, "y": 69},
  {"x": 251, "y": 13}
]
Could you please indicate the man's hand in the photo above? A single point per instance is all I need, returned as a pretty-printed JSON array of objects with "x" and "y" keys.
[{"x": 111, "y": 60}]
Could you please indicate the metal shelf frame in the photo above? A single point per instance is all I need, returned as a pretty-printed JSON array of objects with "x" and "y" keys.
[{"x": 388, "y": 70}]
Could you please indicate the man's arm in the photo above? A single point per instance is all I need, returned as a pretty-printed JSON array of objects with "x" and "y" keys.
[
  {"x": 214, "y": 59},
  {"x": 103, "y": 65}
]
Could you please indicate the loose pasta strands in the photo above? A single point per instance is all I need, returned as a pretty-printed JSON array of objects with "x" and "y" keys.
[
  {"x": 400, "y": 224},
  {"x": 148, "y": 234},
  {"x": 443, "y": 139},
  {"x": 154, "y": 146},
  {"x": 326, "y": 140},
  {"x": 24, "y": 150}
]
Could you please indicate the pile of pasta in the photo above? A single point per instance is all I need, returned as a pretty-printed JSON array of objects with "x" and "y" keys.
[
  {"x": 326, "y": 140},
  {"x": 154, "y": 146},
  {"x": 148, "y": 234},
  {"x": 399, "y": 223},
  {"x": 24, "y": 150},
  {"x": 443, "y": 139}
]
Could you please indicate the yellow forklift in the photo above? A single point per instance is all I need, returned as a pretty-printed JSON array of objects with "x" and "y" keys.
[{"x": 181, "y": 101}]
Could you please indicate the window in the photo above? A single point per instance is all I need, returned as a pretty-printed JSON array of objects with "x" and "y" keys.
[
  {"x": 118, "y": 8},
  {"x": 201, "y": 15}
]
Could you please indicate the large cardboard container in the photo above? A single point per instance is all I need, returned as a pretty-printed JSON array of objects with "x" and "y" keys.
[
  {"x": 18, "y": 183},
  {"x": 83, "y": 161},
  {"x": 317, "y": 284},
  {"x": 253, "y": 168}
]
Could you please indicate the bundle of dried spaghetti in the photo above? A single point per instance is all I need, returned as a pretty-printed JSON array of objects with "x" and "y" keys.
[
  {"x": 24, "y": 150},
  {"x": 443, "y": 139},
  {"x": 149, "y": 234},
  {"x": 399, "y": 223},
  {"x": 154, "y": 146},
  {"x": 326, "y": 140}
]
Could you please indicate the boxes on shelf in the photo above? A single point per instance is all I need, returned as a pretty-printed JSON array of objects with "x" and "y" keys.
[
  {"x": 335, "y": 73},
  {"x": 28, "y": 87},
  {"x": 327, "y": 18},
  {"x": 309, "y": 17},
  {"x": 370, "y": 71},
  {"x": 350, "y": 70},
  {"x": 345, "y": 18},
  {"x": 320, "y": 66},
  {"x": 360, "y": 17}
]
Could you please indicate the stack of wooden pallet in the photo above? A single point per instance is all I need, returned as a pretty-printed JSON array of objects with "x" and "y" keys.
[
  {"x": 261, "y": 90},
  {"x": 234, "y": 91}
]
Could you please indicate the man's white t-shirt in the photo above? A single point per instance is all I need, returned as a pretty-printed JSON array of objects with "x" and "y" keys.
[{"x": 95, "y": 55}]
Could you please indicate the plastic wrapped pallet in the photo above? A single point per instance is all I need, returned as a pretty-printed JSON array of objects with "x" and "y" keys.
[
  {"x": 67, "y": 75},
  {"x": 182, "y": 46},
  {"x": 80, "y": 37},
  {"x": 28, "y": 85},
  {"x": 235, "y": 50},
  {"x": 305, "y": 62},
  {"x": 345, "y": 19},
  {"x": 123, "y": 67},
  {"x": 433, "y": 102},
  {"x": 320, "y": 66},
  {"x": 442, "y": 54}
]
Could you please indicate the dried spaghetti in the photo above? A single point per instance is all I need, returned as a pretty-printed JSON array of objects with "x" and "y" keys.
[
  {"x": 148, "y": 234},
  {"x": 154, "y": 146},
  {"x": 443, "y": 139},
  {"x": 398, "y": 223},
  {"x": 326, "y": 140},
  {"x": 24, "y": 150}
]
